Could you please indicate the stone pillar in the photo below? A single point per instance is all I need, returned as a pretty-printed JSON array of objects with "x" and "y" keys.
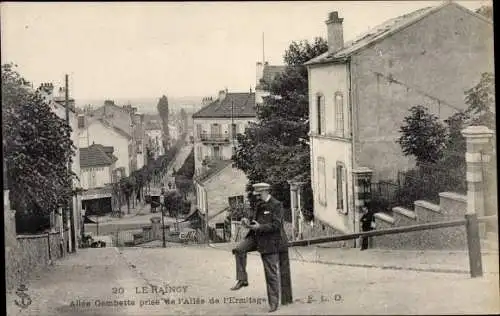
[
  {"x": 362, "y": 193},
  {"x": 300, "y": 220},
  {"x": 478, "y": 141},
  {"x": 293, "y": 206}
]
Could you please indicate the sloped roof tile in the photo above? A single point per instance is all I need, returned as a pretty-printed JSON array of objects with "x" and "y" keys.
[
  {"x": 241, "y": 104},
  {"x": 213, "y": 168},
  {"x": 379, "y": 32},
  {"x": 96, "y": 155}
]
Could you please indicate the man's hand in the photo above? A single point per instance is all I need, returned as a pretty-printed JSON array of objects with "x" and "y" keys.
[
  {"x": 245, "y": 222},
  {"x": 254, "y": 225}
]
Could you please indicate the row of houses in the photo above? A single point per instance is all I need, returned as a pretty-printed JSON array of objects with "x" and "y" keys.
[{"x": 359, "y": 93}]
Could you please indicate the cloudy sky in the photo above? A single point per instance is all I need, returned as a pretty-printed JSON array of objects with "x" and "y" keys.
[{"x": 136, "y": 50}]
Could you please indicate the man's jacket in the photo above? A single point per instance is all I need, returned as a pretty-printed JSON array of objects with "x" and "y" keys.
[{"x": 270, "y": 236}]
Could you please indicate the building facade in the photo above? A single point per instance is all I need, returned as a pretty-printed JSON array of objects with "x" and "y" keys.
[
  {"x": 57, "y": 103},
  {"x": 126, "y": 119},
  {"x": 361, "y": 91},
  {"x": 215, "y": 128},
  {"x": 99, "y": 131}
]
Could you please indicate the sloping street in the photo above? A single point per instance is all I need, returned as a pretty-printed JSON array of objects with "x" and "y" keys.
[{"x": 189, "y": 280}]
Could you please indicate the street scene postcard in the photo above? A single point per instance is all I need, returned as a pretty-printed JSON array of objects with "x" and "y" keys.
[{"x": 249, "y": 158}]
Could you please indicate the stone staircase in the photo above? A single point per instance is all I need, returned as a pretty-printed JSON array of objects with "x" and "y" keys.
[{"x": 451, "y": 206}]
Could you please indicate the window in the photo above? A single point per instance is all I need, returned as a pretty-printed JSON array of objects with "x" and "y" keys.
[
  {"x": 339, "y": 114},
  {"x": 320, "y": 112},
  {"x": 234, "y": 130},
  {"x": 341, "y": 187},
  {"x": 198, "y": 130},
  {"x": 216, "y": 152},
  {"x": 199, "y": 153},
  {"x": 215, "y": 130},
  {"x": 81, "y": 121},
  {"x": 321, "y": 181}
]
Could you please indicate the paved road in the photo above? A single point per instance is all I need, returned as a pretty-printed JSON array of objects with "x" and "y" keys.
[{"x": 188, "y": 277}]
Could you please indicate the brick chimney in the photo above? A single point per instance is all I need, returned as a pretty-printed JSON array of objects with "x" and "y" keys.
[{"x": 335, "y": 32}]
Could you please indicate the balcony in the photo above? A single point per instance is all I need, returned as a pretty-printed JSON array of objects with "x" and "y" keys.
[{"x": 215, "y": 138}]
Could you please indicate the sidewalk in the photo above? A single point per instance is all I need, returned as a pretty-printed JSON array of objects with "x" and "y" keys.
[
  {"x": 89, "y": 275},
  {"x": 429, "y": 260},
  {"x": 194, "y": 276}
]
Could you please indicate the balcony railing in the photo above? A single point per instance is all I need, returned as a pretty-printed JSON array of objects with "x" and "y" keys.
[{"x": 215, "y": 138}]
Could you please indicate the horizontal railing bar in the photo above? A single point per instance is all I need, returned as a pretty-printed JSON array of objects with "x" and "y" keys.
[
  {"x": 389, "y": 231},
  {"x": 487, "y": 218}
]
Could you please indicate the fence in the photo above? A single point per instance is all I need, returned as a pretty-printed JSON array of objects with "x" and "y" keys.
[
  {"x": 426, "y": 181},
  {"x": 471, "y": 223},
  {"x": 385, "y": 190}
]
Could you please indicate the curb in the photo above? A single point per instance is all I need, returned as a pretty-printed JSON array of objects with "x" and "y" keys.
[{"x": 372, "y": 266}]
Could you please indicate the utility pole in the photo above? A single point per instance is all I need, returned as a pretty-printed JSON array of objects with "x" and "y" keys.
[
  {"x": 206, "y": 218},
  {"x": 233, "y": 130},
  {"x": 70, "y": 217},
  {"x": 263, "y": 51}
]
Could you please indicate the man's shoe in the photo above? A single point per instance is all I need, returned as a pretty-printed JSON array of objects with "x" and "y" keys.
[
  {"x": 273, "y": 308},
  {"x": 239, "y": 285}
]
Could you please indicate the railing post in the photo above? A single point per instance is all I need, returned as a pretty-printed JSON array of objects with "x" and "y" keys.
[
  {"x": 473, "y": 245},
  {"x": 285, "y": 275}
]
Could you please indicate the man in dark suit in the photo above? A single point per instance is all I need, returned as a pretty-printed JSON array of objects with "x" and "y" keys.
[{"x": 267, "y": 236}]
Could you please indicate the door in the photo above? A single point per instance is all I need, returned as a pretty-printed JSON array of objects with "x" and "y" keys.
[{"x": 216, "y": 152}]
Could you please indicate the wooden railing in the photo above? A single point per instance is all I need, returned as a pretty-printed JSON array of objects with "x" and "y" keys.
[{"x": 471, "y": 222}]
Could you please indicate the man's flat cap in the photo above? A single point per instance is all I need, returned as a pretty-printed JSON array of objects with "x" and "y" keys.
[{"x": 259, "y": 187}]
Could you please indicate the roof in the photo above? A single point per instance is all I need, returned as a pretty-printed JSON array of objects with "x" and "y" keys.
[
  {"x": 96, "y": 155},
  {"x": 213, "y": 168},
  {"x": 113, "y": 127},
  {"x": 269, "y": 74},
  {"x": 238, "y": 104},
  {"x": 380, "y": 32},
  {"x": 220, "y": 216},
  {"x": 152, "y": 125}
]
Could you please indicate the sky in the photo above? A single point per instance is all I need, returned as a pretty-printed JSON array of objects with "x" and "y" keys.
[{"x": 144, "y": 50}]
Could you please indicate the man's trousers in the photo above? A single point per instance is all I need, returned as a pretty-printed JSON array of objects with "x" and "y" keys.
[{"x": 277, "y": 272}]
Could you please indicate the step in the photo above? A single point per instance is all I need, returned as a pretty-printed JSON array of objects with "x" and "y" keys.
[{"x": 427, "y": 212}]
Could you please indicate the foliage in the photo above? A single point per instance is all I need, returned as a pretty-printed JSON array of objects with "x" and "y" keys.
[
  {"x": 162, "y": 108},
  {"x": 37, "y": 146},
  {"x": 423, "y": 136},
  {"x": 127, "y": 188},
  {"x": 184, "y": 119},
  {"x": 187, "y": 168},
  {"x": 481, "y": 101},
  {"x": 174, "y": 203},
  {"x": 486, "y": 10},
  {"x": 448, "y": 173},
  {"x": 275, "y": 149}
]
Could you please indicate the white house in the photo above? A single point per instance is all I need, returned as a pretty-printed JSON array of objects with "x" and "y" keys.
[
  {"x": 216, "y": 126},
  {"x": 57, "y": 105},
  {"x": 154, "y": 138},
  {"x": 99, "y": 131},
  {"x": 97, "y": 164},
  {"x": 218, "y": 123},
  {"x": 360, "y": 92}
]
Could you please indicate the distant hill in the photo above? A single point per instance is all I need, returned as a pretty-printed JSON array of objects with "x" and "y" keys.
[{"x": 148, "y": 105}]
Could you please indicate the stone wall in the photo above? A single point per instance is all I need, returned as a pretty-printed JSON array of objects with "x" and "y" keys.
[
  {"x": 27, "y": 254},
  {"x": 452, "y": 206}
]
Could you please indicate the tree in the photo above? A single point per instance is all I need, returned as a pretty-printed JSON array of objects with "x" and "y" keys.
[
  {"x": 275, "y": 149},
  {"x": 163, "y": 111},
  {"x": 486, "y": 10},
  {"x": 184, "y": 120},
  {"x": 127, "y": 187},
  {"x": 481, "y": 101},
  {"x": 37, "y": 146},
  {"x": 423, "y": 136}
]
